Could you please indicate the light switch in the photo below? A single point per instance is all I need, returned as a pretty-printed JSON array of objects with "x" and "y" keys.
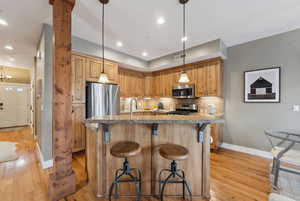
[{"x": 296, "y": 108}]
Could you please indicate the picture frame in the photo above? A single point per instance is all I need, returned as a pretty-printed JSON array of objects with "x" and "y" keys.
[{"x": 262, "y": 85}]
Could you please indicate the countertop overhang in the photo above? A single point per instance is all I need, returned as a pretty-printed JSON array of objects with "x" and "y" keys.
[{"x": 152, "y": 119}]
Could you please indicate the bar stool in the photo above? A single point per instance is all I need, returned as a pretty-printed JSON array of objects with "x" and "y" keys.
[
  {"x": 125, "y": 150},
  {"x": 174, "y": 153}
]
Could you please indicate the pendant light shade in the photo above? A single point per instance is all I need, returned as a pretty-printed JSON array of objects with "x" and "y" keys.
[
  {"x": 184, "y": 78},
  {"x": 103, "y": 76}
]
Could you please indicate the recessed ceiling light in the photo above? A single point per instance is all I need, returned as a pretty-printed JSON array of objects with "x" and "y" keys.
[
  {"x": 184, "y": 39},
  {"x": 161, "y": 20},
  {"x": 11, "y": 59},
  {"x": 119, "y": 44},
  {"x": 145, "y": 54},
  {"x": 3, "y": 22},
  {"x": 8, "y": 47}
]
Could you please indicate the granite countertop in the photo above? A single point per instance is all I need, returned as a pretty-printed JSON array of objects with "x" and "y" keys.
[
  {"x": 145, "y": 111},
  {"x": 151, "y": 119}
]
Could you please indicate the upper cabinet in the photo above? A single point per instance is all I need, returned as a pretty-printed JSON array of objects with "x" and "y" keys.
[
  {"x": 132, "y": 83},
  {"x": 210, "y": 79},
  {"x": 207, "y": 77},
  {"x": 148, "y": 84},
  {"x": 78, "y": 79},
  {"x": 94, "y": 68}
]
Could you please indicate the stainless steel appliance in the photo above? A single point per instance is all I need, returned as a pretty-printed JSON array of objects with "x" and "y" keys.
[
  {"x": 185, "y": 109},
  {"x": 102, "y": 99},
  {"x": 183, "y": 91}
]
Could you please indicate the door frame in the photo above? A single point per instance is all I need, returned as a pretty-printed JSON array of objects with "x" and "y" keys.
[{"x": 29, "y": 98}]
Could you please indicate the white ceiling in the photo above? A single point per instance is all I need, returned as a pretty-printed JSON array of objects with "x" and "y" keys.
[{"x": 134, "y": 23}]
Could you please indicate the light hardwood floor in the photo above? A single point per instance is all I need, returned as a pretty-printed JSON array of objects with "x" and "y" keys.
[{"x": 235, "y": 176}]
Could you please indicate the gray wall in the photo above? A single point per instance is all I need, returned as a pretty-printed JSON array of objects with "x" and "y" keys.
[
  {"x": 245, "y": 122},
  {"x": 44, "y": 71}
]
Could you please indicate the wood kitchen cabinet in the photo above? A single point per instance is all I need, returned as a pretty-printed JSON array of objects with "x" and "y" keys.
[
  {"x": 209, "y": 79},
  {"x": 132, "y": 83},
  {"x": 78, "y": 79},
  {"x": 78, "y": 127},
  {"x": 148, "y": 84},
  {"x": 94, "y": 69},
  {"x": 217, "y": 136}
]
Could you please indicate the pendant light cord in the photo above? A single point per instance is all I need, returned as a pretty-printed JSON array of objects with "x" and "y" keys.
[
  {"x": 102, "y": 37},
  {"x": 184, "y": 37}
]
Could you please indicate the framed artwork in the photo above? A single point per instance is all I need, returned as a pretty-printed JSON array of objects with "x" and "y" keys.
[{"x": 262, "y": 85}]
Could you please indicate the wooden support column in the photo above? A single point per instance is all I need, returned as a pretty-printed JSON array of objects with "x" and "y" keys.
[{"x": 62, "y": 180}]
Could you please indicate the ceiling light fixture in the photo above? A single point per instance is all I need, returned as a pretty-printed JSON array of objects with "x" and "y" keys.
[
  {"x": 8, "y": 47},
  {"x": 161, "y": 20},
  {"x": 103, "y": 76},
  {"x": 145, "y": 54},
  {"x": 3, "y": 76},
  {"x": 119, "y": 44},
  {"x": 3, "y": 22},
  {"x": 183, "y": 75}
]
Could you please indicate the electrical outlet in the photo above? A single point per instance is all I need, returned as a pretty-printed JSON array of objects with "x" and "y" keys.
[{"x": 296, "y": 108}]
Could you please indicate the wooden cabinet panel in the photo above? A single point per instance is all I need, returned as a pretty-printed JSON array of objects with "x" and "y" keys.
[
  {"x": 78, "y": 127},
  {"x": 148, "y": 85},
  {"x": 78, "y": 79},
  {"x": 209, "y": 80},
  {"x": 111, "y": 69},
  {"x": 201, "y": 82},
  {"x": 157, "y": 85},
  {"x": 94, "y": 69},
  {"x": 132, "y": 83},
  {"x": 217, "y": 136},
  {"x": 166, "y": 83}
]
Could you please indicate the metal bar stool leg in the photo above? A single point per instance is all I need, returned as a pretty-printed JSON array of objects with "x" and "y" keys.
[
  {"x": 164, "y": 185},
  {"x": 185, "y": 184}
]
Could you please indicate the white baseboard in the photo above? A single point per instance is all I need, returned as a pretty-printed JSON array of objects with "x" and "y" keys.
[
  {"x": 251, "y": 151},
  {"x": 44, "y": 164}
]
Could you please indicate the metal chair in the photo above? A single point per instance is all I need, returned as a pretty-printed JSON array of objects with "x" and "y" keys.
[
  {"x": 282, "y": 151},
  {"x": 125, "y": 150},
  {"x": 176, "y": 176}
]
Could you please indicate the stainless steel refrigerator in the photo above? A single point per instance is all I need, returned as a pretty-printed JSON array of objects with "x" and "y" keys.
[{"x": 102, "y": 99}]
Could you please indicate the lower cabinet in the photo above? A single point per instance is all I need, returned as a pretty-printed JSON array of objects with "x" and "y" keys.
[
  {"x": 78, "y": 127},
  {"x": 217, "y": 136}
]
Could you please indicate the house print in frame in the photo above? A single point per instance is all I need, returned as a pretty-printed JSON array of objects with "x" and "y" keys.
[{"x": 262, "y": 86}]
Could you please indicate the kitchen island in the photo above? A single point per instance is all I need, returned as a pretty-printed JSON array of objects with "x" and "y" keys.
[{"x": 150, "y": 131}]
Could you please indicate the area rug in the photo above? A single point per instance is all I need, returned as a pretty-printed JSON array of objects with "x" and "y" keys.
[
  {"x": 8, "y": 151},
  {"x": 289, "y": 185}
]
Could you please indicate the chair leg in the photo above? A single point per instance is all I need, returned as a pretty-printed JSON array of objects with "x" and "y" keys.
[
  {"x": 164, "y": 185},
  {"x": 159, "y": 179},
  {"x": 183, "y": 185},
  {"x": 184, "y": 182},
  {"x": 276, "y": 174}
]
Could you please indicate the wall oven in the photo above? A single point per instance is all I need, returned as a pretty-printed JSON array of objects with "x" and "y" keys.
[{"x": 183, "y": 91}]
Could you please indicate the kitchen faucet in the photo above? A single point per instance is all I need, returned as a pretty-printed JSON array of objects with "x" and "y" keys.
[{"x": 131, "y": 102}]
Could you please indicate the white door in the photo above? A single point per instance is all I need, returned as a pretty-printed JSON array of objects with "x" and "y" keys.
[{"x": 14, "y": 106}]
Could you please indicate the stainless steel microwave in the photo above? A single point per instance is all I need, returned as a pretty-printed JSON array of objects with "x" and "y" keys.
[{"x": 183, "y": 91}]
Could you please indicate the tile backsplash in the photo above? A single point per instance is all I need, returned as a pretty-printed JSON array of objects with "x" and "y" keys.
[{"x": 170, "y": 103}]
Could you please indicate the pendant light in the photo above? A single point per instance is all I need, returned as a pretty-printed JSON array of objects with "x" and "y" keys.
[
  {"x": 183, "y": 75},
  {"x": 103, "y": 76}
]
